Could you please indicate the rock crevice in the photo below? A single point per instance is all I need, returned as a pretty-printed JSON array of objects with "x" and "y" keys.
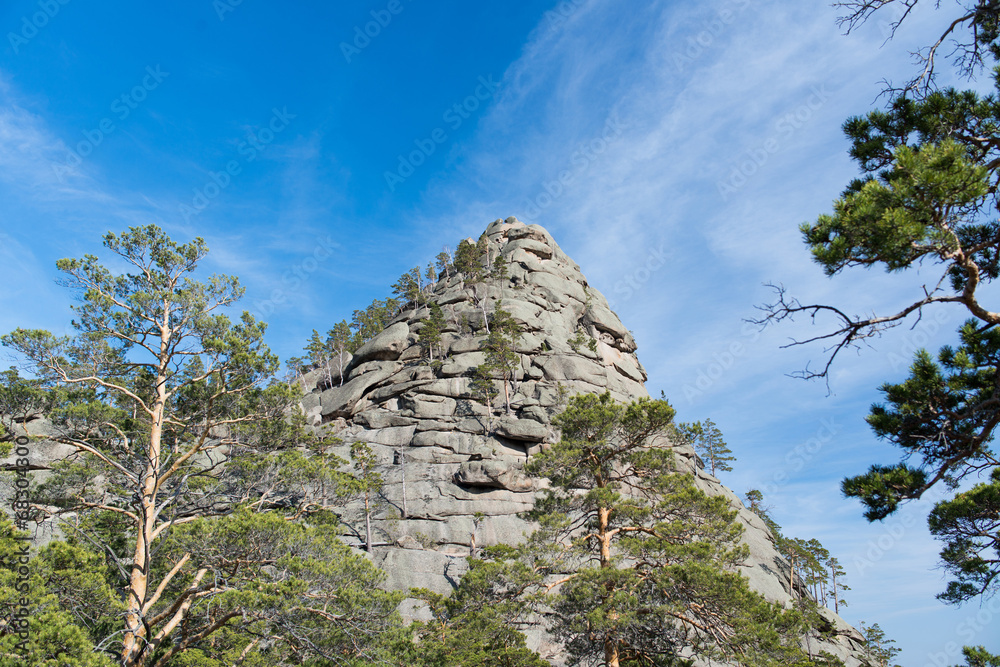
[{"x": 463, "y": 464}]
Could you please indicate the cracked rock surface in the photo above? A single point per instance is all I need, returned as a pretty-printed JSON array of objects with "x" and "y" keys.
[{"x": 464, "y": 480}]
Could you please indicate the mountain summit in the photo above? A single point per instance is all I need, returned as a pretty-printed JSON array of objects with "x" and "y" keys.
[{"x": 453, "y": 467}]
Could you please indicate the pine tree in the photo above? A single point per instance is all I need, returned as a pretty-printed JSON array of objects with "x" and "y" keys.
[
  {"x": 370, "y": 322},
  {"x": 319, "y": 354},
  {"x": 188, "y": 466},
  {"x": 469, "y": 261},
  {"x": 500, "y": 347},
  {"x": 633, "y": 561},
  {"x": 837, "y": 574},
  {"x": 878, "y": 647},
  {"x": 369, "y": 483},
  {"x": 430, "y": 334},
  {"x": 482, "y": 385},
  {"x": 443, "y": 262},
  {"x": 926, "y": 200},
  {"x": 408, "y": 288},
  {"x": 977, "y": 656},
  {"x": 707, "y": 441},
  {"x": 340, "y": 342}
]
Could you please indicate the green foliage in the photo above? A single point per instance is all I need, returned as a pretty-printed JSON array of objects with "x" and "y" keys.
[
  {"x": 477, "y": 625},
  {"x": 631, "y": 558},
  {"x": 193, "y": 476},
  {"x": 809, "y": 561},
  {"x": 369, "y": 322},
  {"x": 293, "y": 582},
  {"x": 469, "y": 261},
  {"x": 877, "y": 646},
  {"x": 430, "y": 334},
  {"x": 968, "y": 526},
  {"x": 408, "y": 288},
  {"x": 910, "y": 212},
  {"x": 500, "y": 348},
  {"x": 927, "y": 200},
  {"x": 943, "y": 417},
  {"x": 707, "y": 441},
  {"x": 68, "y": 604},
  {"x": 442, "y": 262},
  {"x": 977, "y": 656},
  {"x": 20, "y": 399},
  {"x": 579, "y": 339},
  {"x": 341, "y": 343}
]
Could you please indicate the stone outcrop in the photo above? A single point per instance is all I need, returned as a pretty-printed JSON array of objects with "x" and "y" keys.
[{"x": 461, "y": 468}]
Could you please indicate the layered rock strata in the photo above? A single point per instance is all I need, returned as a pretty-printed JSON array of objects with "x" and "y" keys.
[{"x": 454, "y": 480}]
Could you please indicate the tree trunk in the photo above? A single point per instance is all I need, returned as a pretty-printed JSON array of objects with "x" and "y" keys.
[
  {"x": 611, "y": 653},
  {"x": 836, "y": 602},
  {"x": 603, "y": 519},
  {"x": 368, "y": 524},
  {"x": 134, "y": 638},
  {"x": 402, "y": 467}
]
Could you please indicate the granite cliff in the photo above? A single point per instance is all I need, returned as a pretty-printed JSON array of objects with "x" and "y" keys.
[{"x": 454, "y": 475}]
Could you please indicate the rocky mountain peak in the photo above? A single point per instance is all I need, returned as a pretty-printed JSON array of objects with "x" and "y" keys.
[{"x": 453, "y": 466}]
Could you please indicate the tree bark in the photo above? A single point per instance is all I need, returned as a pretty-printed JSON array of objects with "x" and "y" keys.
[{"x": 133, "y": 641}]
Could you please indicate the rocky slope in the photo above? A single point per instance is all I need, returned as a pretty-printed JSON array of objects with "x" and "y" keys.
[{"x": 451, "y": 487}]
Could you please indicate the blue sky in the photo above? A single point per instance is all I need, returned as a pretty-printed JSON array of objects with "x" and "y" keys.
[{"x": 692, "y": 140}]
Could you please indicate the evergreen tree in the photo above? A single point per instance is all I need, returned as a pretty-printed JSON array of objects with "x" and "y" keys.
[
  {"x": 370, "y": 322},
  {"x": 469, "y": 261},
  {"x": 442, "y": 262},
  {"x": 369, "y": 482},
  {"x": 430, "y": 275},
  {"x": 500, "y": 347},
  {"x": 20, "y": 400},
  {"x": 472, "y": 262},
  {"x": 878, "y": 647},
  {"x": 340, "y": 342},
  {"x": 475, "y": 626},
  {"x": 632, "y": 560},
  {"x": 927, "y": 198},
  {"x": 408, "y": 288},
  {"x": 212, "y": 508},
  {"x": 430, "y": 334},
  {"x": 319, "y": 354},
  {"x": 977, "y": 656},
  {"x": 42, "y": 622},
  {"x": 837, "y": 574},
  {"x": 707, "y": 441},
  {"x": 482, "y": 385}
]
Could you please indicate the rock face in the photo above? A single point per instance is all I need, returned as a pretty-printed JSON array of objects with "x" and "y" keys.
[{"x": 451, "y": 488}]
